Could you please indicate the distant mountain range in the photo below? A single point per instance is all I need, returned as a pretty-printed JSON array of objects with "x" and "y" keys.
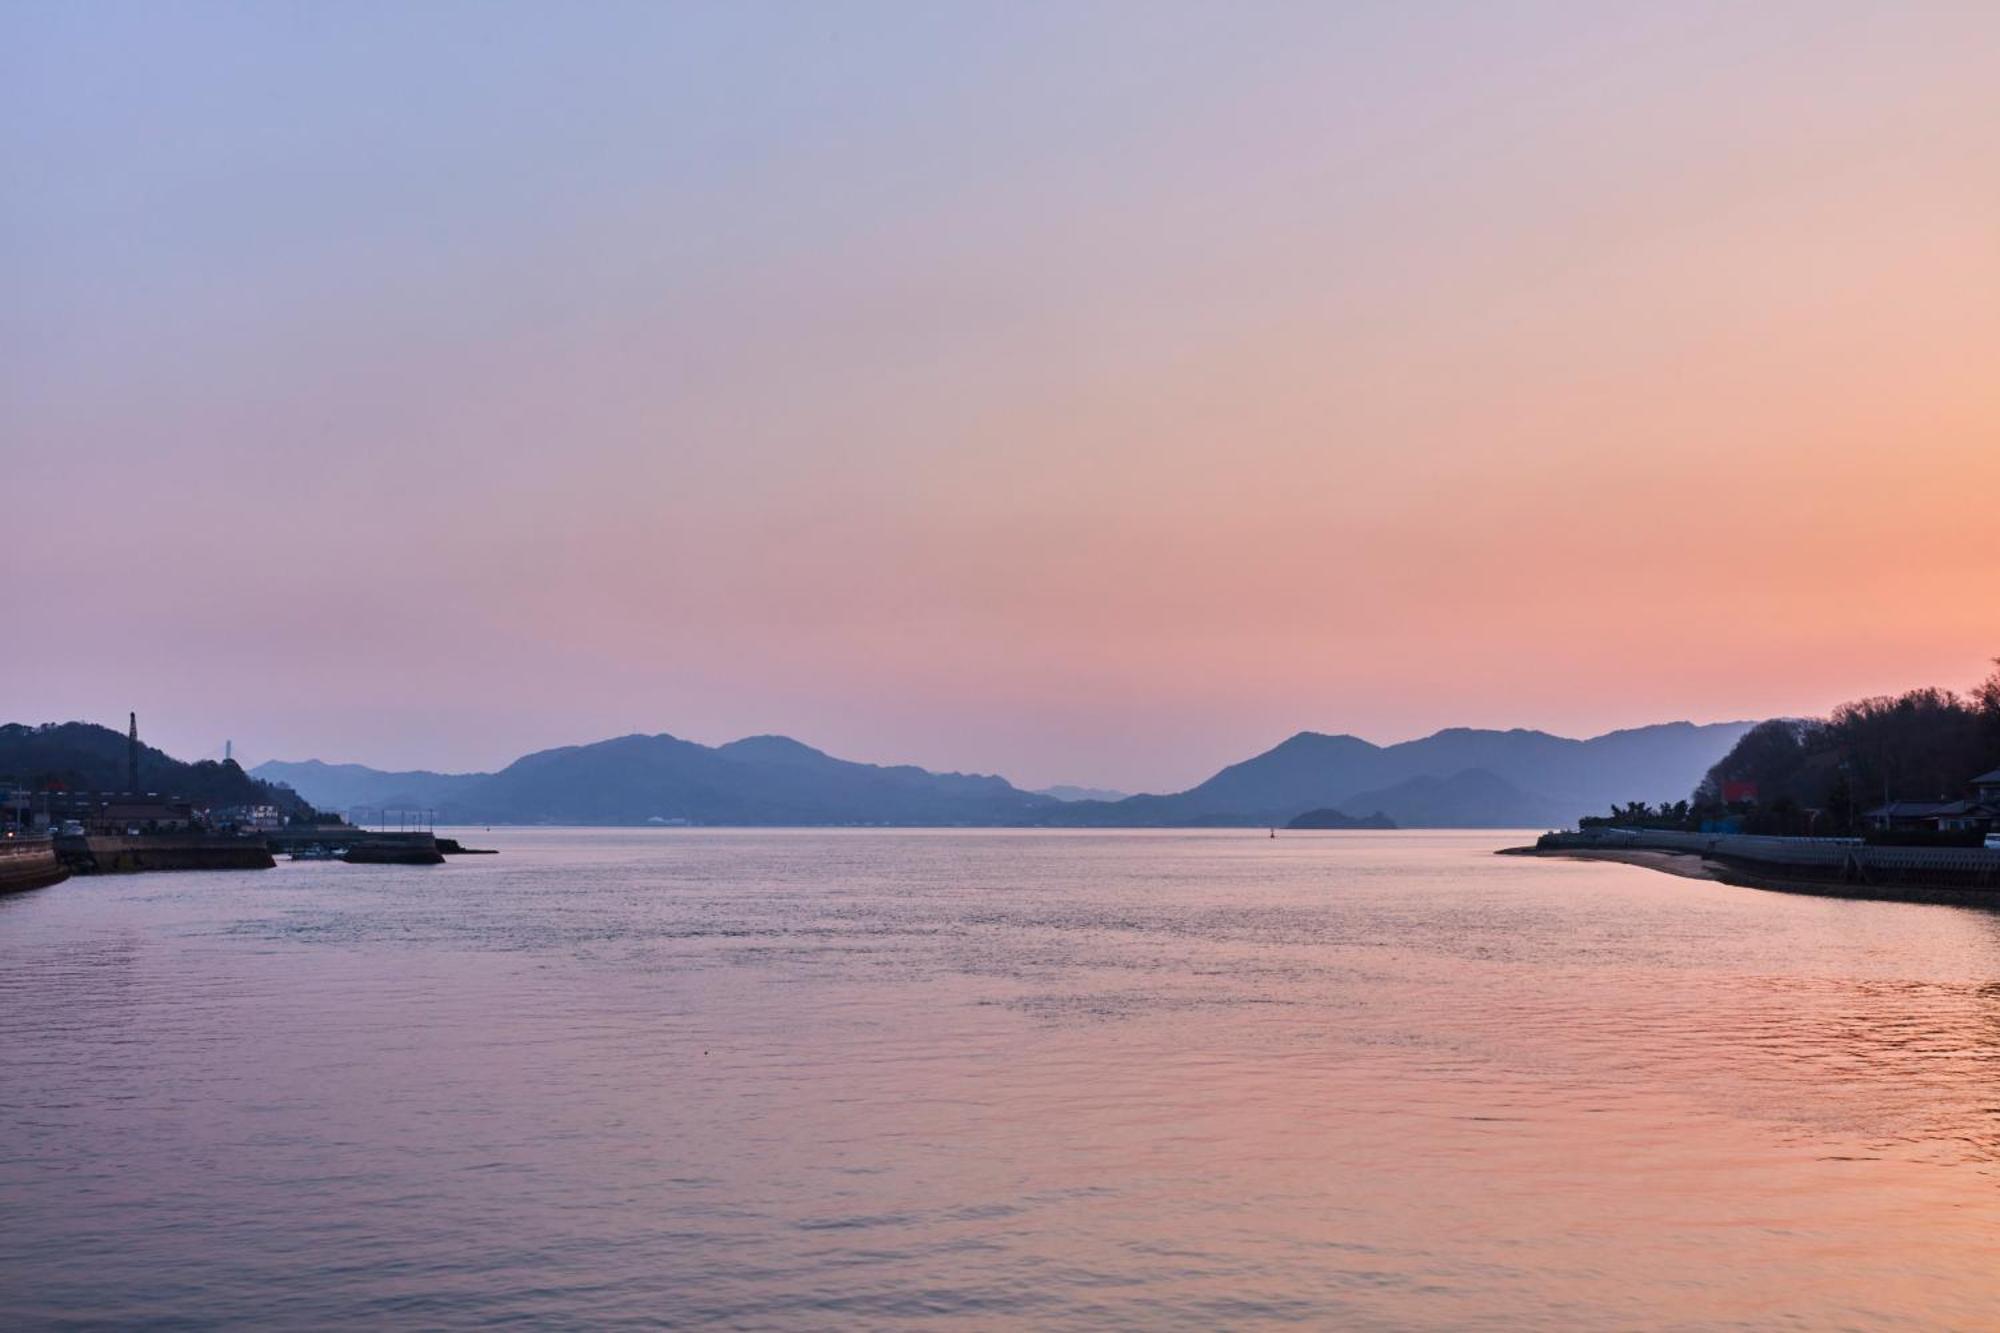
[
  {"x": 1475, "y": 798},
  {"x": 342, "y": 787},
  {"x": 1458, "y": 778},
  {"x": 760, "y": 780}
]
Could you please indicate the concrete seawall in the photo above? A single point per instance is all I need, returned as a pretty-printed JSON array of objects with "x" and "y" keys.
[
  {"x": 29, "y": 863},
  {"x": 395, "y": 849},
  {"x": 364, "y": 846},
  {"x": 116, "y": 854},
  {"x": 1840, "y": 867}
]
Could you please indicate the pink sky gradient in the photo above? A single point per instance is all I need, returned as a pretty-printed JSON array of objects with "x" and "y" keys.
[{"x": 1080, "y": 393}]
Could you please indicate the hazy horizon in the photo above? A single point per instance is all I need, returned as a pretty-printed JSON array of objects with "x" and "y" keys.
[
  {"x": 251, "y": 759},
  {"x": 1083, "y": 394}
]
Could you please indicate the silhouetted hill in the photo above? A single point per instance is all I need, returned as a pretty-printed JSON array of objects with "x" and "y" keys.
[
  {"x": 1562, "y": 778},
  {"x": 1822, "y": 775},
  {"x": 1460, "y": 777},
  {"x": 1309, "y": 770},
  {"x": 760, "y": 780},
  {"x": 1476, "y": 798},
  {"x": 344, "y": 787},
  {"x": 1339, "y": 819},
  {"x": 82, "y": 756}
]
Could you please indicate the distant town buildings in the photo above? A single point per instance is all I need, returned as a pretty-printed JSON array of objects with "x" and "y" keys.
[
  {"x": 122, "y": 812},
  {"x": 127, "y": 812}
]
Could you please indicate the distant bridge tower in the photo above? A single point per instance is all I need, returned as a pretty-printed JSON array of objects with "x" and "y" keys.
[{"x": 132, "y": 755}]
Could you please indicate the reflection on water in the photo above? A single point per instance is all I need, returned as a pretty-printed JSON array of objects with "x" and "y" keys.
[{"x": 1064, "y": 1080}]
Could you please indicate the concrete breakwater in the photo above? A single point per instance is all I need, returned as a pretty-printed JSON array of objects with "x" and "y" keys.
[
  {"x": 362, "y": 846},
  {"x": 29, "y": 863},
  {"x": 129, "y": 853},
  {"x": 34, "y": 861},
  {"x": 396, "y": 849},
  {"x": 1844, "y": 867}
]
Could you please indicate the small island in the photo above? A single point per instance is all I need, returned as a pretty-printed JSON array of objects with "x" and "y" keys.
[{"x": 1328, "y": 817}]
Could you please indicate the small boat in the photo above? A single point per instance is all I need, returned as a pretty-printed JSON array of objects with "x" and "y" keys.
[{"x": 317, "y": 851}]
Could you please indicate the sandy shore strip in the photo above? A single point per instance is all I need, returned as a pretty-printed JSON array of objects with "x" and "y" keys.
[
  {"x": 1688, "y": 865},
  {"x": 1691, "y": 865}
]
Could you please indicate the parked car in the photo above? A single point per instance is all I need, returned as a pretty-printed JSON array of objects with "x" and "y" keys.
[{"x": 1993, "y": 842}]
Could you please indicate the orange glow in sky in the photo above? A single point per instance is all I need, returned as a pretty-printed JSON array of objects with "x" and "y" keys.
[{"x": 1081, "y": 393}]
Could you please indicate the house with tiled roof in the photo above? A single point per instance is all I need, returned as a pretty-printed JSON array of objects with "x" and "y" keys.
[
  {"x": 1978, "y": 813},
  {"x": 1907, "y": 814}
]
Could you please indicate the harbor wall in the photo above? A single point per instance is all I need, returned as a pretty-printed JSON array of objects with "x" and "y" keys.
[
  {"x": 113, "y": 854},
  {"x": 1845, "y": 866},
  {"x": 29, "y": 863},
  {"x": 364, "y": 846},
  {"x": 397, "y": 849}
]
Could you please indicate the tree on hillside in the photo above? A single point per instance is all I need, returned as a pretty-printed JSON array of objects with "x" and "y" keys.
[
  {"x": 1825, "y": 773},
  {"x": 1780, "y": 758},
  {"x": 1986, "y": 698},
  {"x": 81, "y": 756},
  {"x": 1926, "y": 744}
]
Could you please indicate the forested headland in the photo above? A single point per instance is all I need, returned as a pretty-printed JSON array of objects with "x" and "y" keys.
[{"x": 1821, "y": 775}]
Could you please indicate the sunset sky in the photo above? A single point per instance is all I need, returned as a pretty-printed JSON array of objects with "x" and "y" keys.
[{"x": 1090, "y": 393}]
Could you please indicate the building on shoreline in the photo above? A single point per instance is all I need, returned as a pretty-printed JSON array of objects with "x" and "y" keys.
[
  {"x": 1977, "y": 813},
  {"x": 123, "y": 812}
]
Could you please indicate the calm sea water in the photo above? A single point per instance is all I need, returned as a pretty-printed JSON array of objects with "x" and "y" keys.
[{"x": 813, "y": 1079}]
